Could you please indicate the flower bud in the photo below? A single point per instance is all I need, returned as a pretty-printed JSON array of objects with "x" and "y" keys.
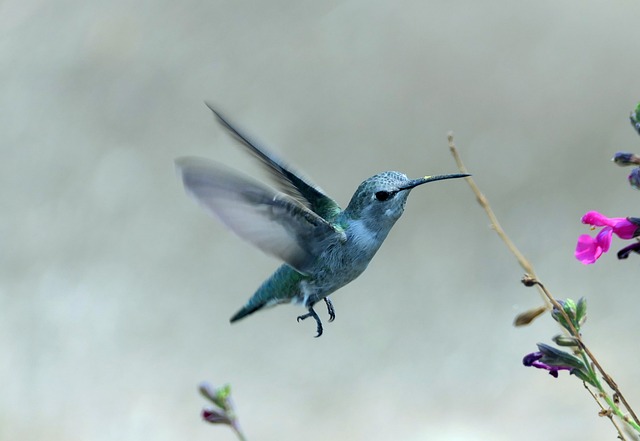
[
  {"x": 214, "y": 416},
  {"x": 625, "y": 158},
  {"x": 635, "y": 119},
  {"x": 581, "y": 312},
  {"x": 634, "y": 178},
  {"x": 565, "y": 340}
]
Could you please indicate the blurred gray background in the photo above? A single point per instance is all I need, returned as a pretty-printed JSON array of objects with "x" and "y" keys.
[{"x": 116, "y": 289}]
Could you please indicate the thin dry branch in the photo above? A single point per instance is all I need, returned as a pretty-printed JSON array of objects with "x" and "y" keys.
[{"x": 495, "y": 225}]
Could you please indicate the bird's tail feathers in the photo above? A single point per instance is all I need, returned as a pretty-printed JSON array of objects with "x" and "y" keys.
[{"x": 246, "y": 310}]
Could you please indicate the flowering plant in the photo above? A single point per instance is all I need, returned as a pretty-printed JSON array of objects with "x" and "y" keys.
[
  {"x": 577, "y": 359},
  {"x": 222, "y": 411},
  {"x": 589, "y": 249}
]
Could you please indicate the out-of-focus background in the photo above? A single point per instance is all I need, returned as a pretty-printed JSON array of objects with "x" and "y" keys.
[{"x": 116, "y": 289}]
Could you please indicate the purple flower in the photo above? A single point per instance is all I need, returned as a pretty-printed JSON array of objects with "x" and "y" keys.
[
  {"x": 589, "y": 249},
  {"x": 534, "y": 359},
  {"x": 554, "y": 360}
]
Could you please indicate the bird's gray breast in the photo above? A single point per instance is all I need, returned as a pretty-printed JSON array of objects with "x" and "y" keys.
[{"x": 342, "y": 262}]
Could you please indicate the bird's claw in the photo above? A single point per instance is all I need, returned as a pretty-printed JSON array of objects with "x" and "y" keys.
[
  {"x": 313, "y": 314},
  {"x": 330, "y": 309}
]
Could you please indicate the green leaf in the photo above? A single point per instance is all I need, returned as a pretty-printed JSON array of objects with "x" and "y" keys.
[
  {"x": 558, "y": 317},
  {"x": 570, "y": 308},
  {"x": 222, "y": 396},
  {"x": 581, "y": 311},
  {"x": 583, "y": 376}
]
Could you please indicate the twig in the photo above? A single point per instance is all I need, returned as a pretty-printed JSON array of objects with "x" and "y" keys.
[{"x": 495, "y": 225}]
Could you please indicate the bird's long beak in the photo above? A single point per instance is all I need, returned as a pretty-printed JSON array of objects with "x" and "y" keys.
[{"x": 415, "y": 182}]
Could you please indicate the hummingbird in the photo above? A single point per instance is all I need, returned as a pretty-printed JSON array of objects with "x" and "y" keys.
[{"x": 323, "y": 247}]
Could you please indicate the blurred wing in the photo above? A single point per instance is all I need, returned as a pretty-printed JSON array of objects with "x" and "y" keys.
[
  {"x": 270, "y": 220},
  {"x": 290, "y": 181}
]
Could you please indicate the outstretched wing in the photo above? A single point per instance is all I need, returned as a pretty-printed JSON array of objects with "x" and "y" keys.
[
  {"x": 272, "y": 221},
  {"x": 289, "y": 180}
]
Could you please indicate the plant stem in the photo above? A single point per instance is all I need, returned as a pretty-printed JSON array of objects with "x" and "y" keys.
[
  {"x": 238, "y": 432},
  {"x": 605, "y": 412}
]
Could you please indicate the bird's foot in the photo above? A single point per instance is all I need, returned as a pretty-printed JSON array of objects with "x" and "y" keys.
[
  {"x": 313, "y": 314},
  {"x": 330, "y": 310}
]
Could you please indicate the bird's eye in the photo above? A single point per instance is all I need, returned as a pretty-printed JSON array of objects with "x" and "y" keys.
[{"x": 382, "y": 195}]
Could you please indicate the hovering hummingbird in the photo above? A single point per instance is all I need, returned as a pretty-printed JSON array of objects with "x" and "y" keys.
[{"x": 323, "y": 247}]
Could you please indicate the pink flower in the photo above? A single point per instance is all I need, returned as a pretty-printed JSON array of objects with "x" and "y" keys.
[{"x": 589, "y": 249}]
